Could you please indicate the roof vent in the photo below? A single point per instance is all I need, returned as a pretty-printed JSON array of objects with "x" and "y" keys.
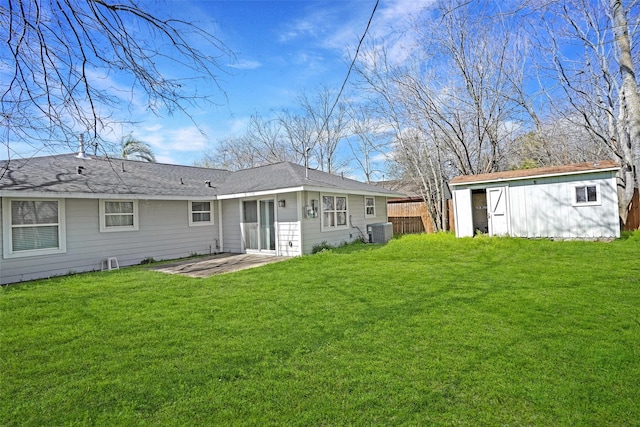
[
  {"x": 79, "y": 170},
  {"x": 207, "y": 183},
  {"x": 81, "y": 154}
]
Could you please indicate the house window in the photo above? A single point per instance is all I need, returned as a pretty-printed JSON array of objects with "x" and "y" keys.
[
  {"x": 33, "y": 227},
  {"x": 587, "y": 195},
  {"x": 118, "y": 215},
  {"x": 200, "y": 213},
  {"x": 334, "y": 212},
  {"x": 369, "y": 207}
]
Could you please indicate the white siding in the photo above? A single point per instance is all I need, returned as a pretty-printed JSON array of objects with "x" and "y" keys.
[
  {"x": 311, "y": 227},
  {"x": 288, "y": 226},
  {"x": 231, "y": 215},
  {"x": 545, "y": 207},
  {"x": 164, "y": 233}
]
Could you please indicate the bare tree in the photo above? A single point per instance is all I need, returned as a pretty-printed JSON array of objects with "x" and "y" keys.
[
  {"x": 301, "y": 133},
  {"x": 415, "y": 155},
  {"x": 555, "y": 142},
  {"x": 330, "y": 126},
  {"x": 596, "y": 88},
  {"x": 267, "y": 138},
  {"x": 629, "y": 97},
  {"x": 234, "y": 153},
  {"x": 67, "y": 65},
  {"x": 367, "y": 139},
  {"x": 458, "y": 104}
]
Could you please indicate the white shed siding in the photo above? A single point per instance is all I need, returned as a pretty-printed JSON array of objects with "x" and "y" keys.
[
  {"x": 544, "y": 207},
  {"x": 232, "y": 234},
  {"x": 164, "y": 233}
]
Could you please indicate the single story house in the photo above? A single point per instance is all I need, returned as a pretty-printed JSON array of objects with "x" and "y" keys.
[
  {"x": 71, "y": 213},
  {"x": 572, "y": 201}
]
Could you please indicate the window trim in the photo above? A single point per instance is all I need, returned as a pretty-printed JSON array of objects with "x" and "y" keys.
[
  {"x": 7, "y": 234},
  {"x": 112, "y": 229},
  {"x": 193, "y": 223},
  {"x": 366, "y": 215},
  {"x": 335, "y": 212},
  {"x": 574, "y": 195}
]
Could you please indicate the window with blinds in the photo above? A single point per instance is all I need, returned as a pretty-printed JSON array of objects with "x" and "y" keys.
[
  {"x": 200, "y": 213},
  {"x": 118, "y": 215},
  {"x": 33, "y": 227}
]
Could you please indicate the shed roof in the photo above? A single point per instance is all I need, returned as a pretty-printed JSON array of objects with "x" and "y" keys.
[
  {"x": 71, "y": 176},
  {"x": 572, "y": 169}
]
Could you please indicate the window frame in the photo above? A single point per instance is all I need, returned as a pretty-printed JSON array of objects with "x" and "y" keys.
[
  {"x": 111, "y": 229},
  {"x": 335, "y": 212},
  {"x": 366, "y": 214},
  {"x": 587, "y": 202},
  {"x": 193, "y": 223},
  {"x": 7, "y": 229}
]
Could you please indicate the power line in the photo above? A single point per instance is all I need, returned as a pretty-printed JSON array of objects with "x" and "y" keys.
[{"x": 353, "y": 61}]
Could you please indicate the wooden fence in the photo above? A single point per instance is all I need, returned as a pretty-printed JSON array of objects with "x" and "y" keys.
[
  {"x": 633, "y": 220},
  {"x": 410, "y": 217}
]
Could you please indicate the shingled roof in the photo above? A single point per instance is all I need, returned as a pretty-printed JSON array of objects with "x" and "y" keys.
[
  {"x": 287, "y": 175},
  {"x": 571, "y": 169},
  {"x": 71, "y": 176}
]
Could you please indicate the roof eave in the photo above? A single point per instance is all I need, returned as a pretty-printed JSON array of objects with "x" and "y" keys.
[
  {"x": 319, "y": 189},
  {"x": 545, "y": 175},
  {"x": 119, "y": 196}
]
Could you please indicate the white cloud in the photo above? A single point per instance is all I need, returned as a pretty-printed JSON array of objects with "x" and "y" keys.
[
  {"x": 306, "y": 27},
  {"x": 341, "y": 25},
  {"x": 245, "y": 65}
]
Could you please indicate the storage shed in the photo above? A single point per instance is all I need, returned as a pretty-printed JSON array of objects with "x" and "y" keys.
[{"x": 573, "y": 201}]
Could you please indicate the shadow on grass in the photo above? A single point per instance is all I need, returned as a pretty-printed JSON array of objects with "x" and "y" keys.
[{"x": 630, "y": 235}]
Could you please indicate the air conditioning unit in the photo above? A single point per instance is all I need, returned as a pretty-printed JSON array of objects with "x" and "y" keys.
[{"x": 380, "y": 233}]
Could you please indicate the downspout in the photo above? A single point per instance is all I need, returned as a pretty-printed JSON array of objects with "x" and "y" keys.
[
  {"x": 276, "y": 224},
  {"x": 220, "y": 232},
  {"x": 302, "y": 212}
]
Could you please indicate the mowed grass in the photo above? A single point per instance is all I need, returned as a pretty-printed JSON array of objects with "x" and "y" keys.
[{"x": 427, "y": 330}]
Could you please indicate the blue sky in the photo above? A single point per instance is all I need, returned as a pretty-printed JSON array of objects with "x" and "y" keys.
[{"x": 281, "y": 47}]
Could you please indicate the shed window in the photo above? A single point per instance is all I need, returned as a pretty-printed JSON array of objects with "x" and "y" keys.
[
  {"x": 118, "y": 215},
  {"x": 334, "y": 212},
  {"x": 33, "y": 227},
  {"x": 586, "y": 194},
  {"x": 369, "y": 207},
  {"x": 200, "y": 213}
]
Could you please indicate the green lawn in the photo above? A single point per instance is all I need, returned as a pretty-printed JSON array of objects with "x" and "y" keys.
[{"x": 427, "y": 330}]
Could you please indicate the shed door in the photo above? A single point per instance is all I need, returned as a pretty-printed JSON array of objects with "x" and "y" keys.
[
  {"x": 462, "y": 211},
  {"x": 497, "y": 211}
]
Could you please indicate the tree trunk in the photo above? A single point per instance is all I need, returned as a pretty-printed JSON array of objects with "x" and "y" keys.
[{"x": 631, "y": 100}]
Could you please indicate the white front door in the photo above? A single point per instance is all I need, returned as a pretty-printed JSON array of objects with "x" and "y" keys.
[{"x": 497, "y": 211}]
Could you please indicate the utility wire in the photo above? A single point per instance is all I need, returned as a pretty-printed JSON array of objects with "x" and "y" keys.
[{"x": 346, "y": 79}]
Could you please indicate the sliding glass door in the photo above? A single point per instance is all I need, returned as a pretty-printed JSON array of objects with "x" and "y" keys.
[{"x": 258, "y": 226}]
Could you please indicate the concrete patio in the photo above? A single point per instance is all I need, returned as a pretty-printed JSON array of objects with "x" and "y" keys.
[{"x": 217, "y": 264}]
